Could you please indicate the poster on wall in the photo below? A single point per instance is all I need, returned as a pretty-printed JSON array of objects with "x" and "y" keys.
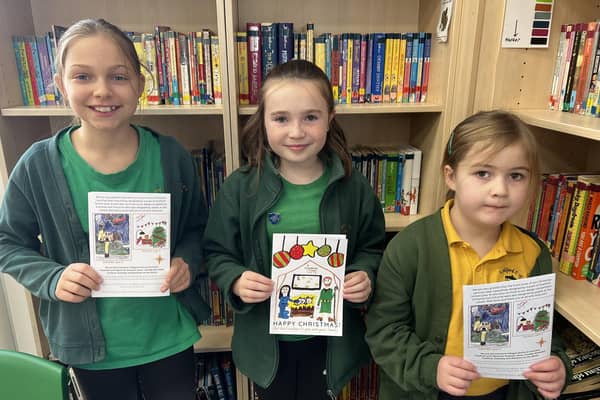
[{"x": 527, "y": 23}]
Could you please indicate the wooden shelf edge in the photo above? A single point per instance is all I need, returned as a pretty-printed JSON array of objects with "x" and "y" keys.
[
  {"x": 214, "y": 339},
  {"x": 396, "y": 221},
  {"x": 576, "y": 301},
  {"x": 573, "y": 124},
  {"x": 61, "y": 111},
  {"x": 369, "y": 108}
]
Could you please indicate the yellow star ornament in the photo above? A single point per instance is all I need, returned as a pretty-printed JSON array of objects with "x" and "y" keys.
[{"x": 309, "y": 249}]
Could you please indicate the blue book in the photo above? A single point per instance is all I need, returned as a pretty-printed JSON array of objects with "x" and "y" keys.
[
  {"x": 355, "y": 66},
  {"x": 414, "y": 68},
  {"x": 268, "y": 31},
  {"x": 378, "y": 67},
  {"x": 399, "y": 177},
  {"x": 285, "y": 42},
  {"x": 328, "y": 48},
  {"x": 46, "y": 70},
  {"x": 369, "y": 67}
]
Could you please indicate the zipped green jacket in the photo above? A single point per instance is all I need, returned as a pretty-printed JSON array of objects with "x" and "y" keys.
[
  {"x": 407, "y": 323},
  {"x": 236, "y": 240},
  {"x": 37, "y": 203}
]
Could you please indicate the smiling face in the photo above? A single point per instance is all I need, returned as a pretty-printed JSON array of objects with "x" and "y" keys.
[
  {"x": 99, "y": 83},
  {"x": 489, "y": 188},
  {"x": 296, "y": 121}
]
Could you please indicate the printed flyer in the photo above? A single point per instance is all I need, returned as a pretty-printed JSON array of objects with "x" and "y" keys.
[
  {"x": 308, "y": 271},
  {"x": 508, "y": 325},
  {"x": 129, "y": 242}
]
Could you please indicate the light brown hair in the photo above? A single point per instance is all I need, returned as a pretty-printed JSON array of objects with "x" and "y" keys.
[
  {"x": 254, "y": 144},
  {"x": 494, "y": 130}
]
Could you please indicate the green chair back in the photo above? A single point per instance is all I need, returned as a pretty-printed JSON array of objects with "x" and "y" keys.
[{"x": 27, "y": 377}]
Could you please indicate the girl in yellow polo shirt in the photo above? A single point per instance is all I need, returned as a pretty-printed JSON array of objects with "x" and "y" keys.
[{"x": 414, "y": 324}]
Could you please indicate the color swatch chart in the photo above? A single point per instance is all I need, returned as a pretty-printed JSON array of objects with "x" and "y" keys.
[{"x": 527, "y": 23}]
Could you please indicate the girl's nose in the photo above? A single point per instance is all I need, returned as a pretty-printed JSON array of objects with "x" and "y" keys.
[
  {"x": 296, "y": 130},
  {"x": 500, "y": 187},
  {"x": 102, "y": 88}
]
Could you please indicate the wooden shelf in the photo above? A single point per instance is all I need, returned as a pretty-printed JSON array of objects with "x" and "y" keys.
[
  {"x": 577, "y": 301},
  {"x": 214, "y": 339},
  {"x": 564, "y": 122},
  {"x": 61, "y": 111},
  {"x": 370, "y": 108},
  {"x": 396, "y": 221}
]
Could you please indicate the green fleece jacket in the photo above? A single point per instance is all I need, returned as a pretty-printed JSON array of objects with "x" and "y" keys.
[
  {"x": 38, "y": 201},
  {"x": 407, "y": 322},
  {"x": 236, "y": 240}
]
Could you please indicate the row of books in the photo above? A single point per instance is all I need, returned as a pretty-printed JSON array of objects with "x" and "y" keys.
[
  {"x": 362, "y": 67},
  {"x": 566, "y": 215},
  {"x": 211, "y": 170},
  {"x": 394, "y": 175},
  {"x": 584, "y": 356},
  {"x": 35, "y": 56},
  {"x": 180, "y": 68},
  {"x": 216, "y": 377},
  {"x": 221, "y": 313},
  {"x": 575, "y": 78}
]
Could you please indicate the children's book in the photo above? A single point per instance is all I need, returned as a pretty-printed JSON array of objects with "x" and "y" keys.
[{"x": 308, "y": 271}]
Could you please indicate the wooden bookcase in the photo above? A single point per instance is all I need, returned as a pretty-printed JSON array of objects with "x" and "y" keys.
[
  {"x": 452, "y": 85},
  {"x": 520, "y": 80}
]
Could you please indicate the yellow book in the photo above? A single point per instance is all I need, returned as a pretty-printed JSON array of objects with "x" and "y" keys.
[
  {"x": 387, "y": 68},
  {"x": 242, "y": 58},
  {"x": 215, "y": 55},
  {"x": 349, "y": 69},
  {"x": 139, "y": 49},
  {"x": 394, "y": 68},
  {"x": 26, "y": 75},
  {"x": 401, "y": 57},
  {"x": 320, "y": 53}
]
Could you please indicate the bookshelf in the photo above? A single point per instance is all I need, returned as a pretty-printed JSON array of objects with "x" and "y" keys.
[
  {"x": 520, "y": 80},
  {"x": 426, "y": 126}
]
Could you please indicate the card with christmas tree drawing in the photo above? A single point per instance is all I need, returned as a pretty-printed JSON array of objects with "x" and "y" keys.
[{"x": 308, "y": 271}]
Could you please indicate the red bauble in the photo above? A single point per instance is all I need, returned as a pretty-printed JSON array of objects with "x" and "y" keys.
[
  {"x": 296, "y": 252},
  {"x": 281, "y": 259}
]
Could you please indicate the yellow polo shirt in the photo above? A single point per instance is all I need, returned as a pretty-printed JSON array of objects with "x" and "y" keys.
[{"x": 512, "y": 257}]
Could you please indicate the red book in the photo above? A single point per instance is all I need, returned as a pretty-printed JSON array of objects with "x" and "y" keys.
[
  {"x": 30, "y": 65},
  {"x": 589, "y": 229}
]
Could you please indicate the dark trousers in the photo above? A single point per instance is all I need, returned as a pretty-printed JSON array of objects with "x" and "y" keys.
[
  {"x": 300, "y": 373},
  {"x": 498, "y": 394},
  {"x": 172, "y": 378}
]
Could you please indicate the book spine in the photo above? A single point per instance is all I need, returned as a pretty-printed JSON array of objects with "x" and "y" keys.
[
  {"x": 354, "y": 97},
  {"x": 409, "y": 158},
  {"x": 136, "y": 39},
  {"x": 184, "y": 69},
  {"x": 578, "y": 66},
  {"x": 310, "y": 42},
  {"x": 208, "y": 73},
  {"x": 21, "y": 58},
  {"x": 395, "y": 41},
  {"x": 550, "y": 185},
  {"x": 320, "y": 53},
  {"x": 401, "y": 57},
  {"x": 254, "y": 61},
  {"x": 391, "y": 176},
  {"x": 564, "y": 220},
  {"x": 285, "y": 42},
  {"x": 362, "y": 81},
  {"x": 150, "y": 57},
  {"x": 193, "y": 66},
  {"x": 201, "y": 67},
  {"x": 335, "y": 65},
  {"x": 407, "y": 68},
  {"x": 242, "y": 58},
  {"x": 350, "y": 48},
  {"x": 558, "y": 63},
  {"x": 426, "y": 61},
  {"x": 46, "y": 70},
  {"x": 38, "y": 96},
  {"x": 268, "y": 32},
  {"x": 414, "y": 67},
  {"x": 344, "y": 67},
  {"x": 420, "y": 60},
  {"x": 161, "y": 62},
  {"x": 215, "y": 56},
  {"x": 369, "y": 71},
  {"x": 387, "y": 71},
  {"x": 573, "y": 228},
  {"x": 589, "y": 230},
  {"x": 572, "y": 66},
  {"x": 415, "y": 184},
  {"x": 586, "y": 68},
  {"x": 379, "y": 51}
]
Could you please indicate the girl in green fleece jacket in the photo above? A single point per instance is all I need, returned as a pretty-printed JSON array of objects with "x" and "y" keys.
[
  {"x": 299, "y": 179},
  {"x": 120, "y": 347},
  {"x": 414, "y": 324}
]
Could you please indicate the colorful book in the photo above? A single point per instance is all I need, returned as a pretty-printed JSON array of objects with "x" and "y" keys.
[
  {"x": 377, "y": 78},
  {"x": 589, "y": 230},
  {"x": 215, "y": 56},
  {"x": 254, "y": 61}
]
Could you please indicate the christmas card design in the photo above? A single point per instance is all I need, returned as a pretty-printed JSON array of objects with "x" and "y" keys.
[{"x": 308, "y": 271}]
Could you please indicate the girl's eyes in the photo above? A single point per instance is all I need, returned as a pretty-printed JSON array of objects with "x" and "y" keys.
[
  {"x": 87, "y": 77},
  {"x": 312, "y": 117},
  {"x": 517, "y": 176},
  {"x": 482, "y": 174},
  {"x": 119, "y": 78},
  {"x": 280, "y": 119},
  {"x": 81, "y": 77}
]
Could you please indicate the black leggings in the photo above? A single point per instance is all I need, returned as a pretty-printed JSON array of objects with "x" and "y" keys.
[
  {"x": 301, "y": 372},
  {"x": 172, "y": 378}
]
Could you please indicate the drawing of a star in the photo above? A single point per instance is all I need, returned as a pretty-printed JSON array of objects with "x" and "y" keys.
[
  {"x": 159, "y": 258},
  {"x": 541, "y": 342},
  {"x": 309, "y": 249}
]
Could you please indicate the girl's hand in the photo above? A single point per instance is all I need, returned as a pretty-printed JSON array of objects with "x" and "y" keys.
[
  {"x": 454, "y": 375},
  {"x": 178, "y": 277},
  {"x": 357, "y": 287},
  {"x": 548, "y": 376},
  {"x": 77, "y": 282},
  {"x": 253, "y": 287}
]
